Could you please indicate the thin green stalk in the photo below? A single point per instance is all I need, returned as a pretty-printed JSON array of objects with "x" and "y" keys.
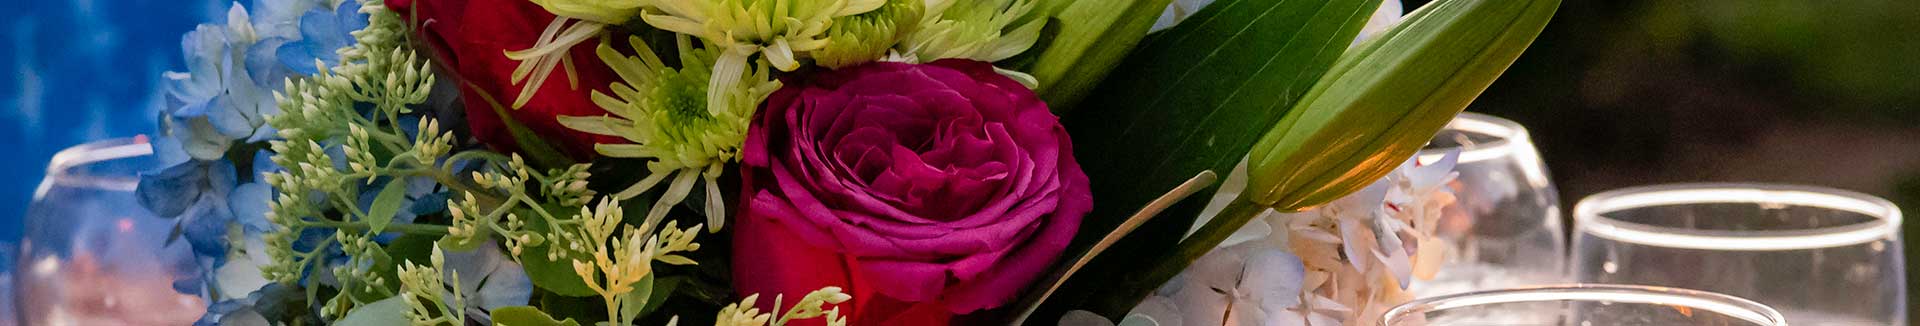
[{"x": 409, "y": 228}]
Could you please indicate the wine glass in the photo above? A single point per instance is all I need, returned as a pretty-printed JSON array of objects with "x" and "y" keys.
[
  {"x": 1584, "y": 305},
  {"x": 1505, "y": 228},
  {"x": 1822, "y": 256},
  {"x": 91, "y": 255}
]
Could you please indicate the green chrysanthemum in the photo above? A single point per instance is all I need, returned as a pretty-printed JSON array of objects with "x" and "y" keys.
[
  {"x": 665, "y": 112},
  {"x": 974, "y": 29},
  {"x": 777, "y": 28},
  {"x": 866, "y": 37}
]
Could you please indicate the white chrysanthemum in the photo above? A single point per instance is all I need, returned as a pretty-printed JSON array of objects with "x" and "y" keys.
[
  {"x": 666, "y": 114},
  {"x": 974, "y": 29},
  {"x": 549, "y": 52},
  {"x": 575, "y": 21}
]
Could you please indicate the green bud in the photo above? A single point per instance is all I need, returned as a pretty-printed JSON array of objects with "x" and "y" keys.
[
  {"x": 612, "y": 12},
  {"x": 1381, "y": 103},
  {"x": 866, "y": 37}
]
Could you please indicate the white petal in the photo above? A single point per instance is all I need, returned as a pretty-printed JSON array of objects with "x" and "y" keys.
[
  {"x": 508, "y": 285},
  {"x": 240, "y": 276},
  {"x": 473, "y": 265},
  {"x": 1155, "y": 310},
  {"x": 1273, "y": 276},
  {"x": 1219, "y": 269},
  {"x": 1083, "y": 318},
  {"x": 1357, "y": 244},
  {"x": 1399, "y": 265}
]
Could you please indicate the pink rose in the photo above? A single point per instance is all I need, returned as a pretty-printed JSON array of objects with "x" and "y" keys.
[{"x": 924, "y": 190}]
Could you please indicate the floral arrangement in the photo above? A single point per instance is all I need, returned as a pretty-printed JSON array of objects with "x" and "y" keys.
[{"x": 837, "y": 162}]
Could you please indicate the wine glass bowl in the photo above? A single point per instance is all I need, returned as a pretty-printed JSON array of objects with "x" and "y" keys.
[
  {"x": 1584, "y": 305},
  {"x": 1504, "y": 230},
  {"x": 91, "y": 254},
  {"x": 1822, "y": 256}
]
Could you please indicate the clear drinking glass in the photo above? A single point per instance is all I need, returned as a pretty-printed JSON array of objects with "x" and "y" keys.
[
  {"x": 91, "y": 255},
  {"x": 1584, "y": 305},
  {"x": 1822, "y": 256},
  {"x": 1505, "y": 229}
]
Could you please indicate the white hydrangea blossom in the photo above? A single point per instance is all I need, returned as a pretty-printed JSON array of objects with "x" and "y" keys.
[{"x": 1344, "y": 263}]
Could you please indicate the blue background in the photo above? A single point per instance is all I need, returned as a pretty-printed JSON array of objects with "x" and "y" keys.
[{"x": 81, "y": 70}]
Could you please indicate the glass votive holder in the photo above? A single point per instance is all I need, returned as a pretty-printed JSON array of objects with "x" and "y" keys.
[
  {"x": 1584, "y": 305},
  {"x": 1823, "y": 257}
]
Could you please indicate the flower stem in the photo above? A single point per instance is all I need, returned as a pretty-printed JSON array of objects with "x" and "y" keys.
[{"x": 425, "y": 229}]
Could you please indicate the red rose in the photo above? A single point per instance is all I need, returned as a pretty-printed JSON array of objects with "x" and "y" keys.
[
  {"x": 470, "y": 38},
  {"x": 924, "y": 190}
]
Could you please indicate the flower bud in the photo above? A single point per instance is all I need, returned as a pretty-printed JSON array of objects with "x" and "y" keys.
[
  {"x": 1379, "y": 105},
  {"x": 612, "y": 12}
]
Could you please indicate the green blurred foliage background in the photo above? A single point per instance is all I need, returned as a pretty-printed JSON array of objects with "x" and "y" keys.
[{"x": 1635, "y": 92}]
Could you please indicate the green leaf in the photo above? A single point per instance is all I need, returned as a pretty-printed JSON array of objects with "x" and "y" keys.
[
  {"x": 386, "y": 204},
  {"x": 386, "y": 312},
  {"x": 526, "y": 316},
  {"x": 638, "y": 300},
  {"x": 417, "y": 248},
  {"x": 1380, "y": 106},
  {"x": 662, "y": 288},
  {"x": 1087, "y": 38},
  {"x": 1192, "y": 99},
  {"x": 554, "y": 275}
]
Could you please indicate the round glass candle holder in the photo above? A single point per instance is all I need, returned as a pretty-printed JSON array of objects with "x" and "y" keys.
[
  {"x": 91, "y": 254},
  {"x": 1822, "y": 256},
  {"x": 1584, "y": 305},
  {"x": 1504, "y": 230}
]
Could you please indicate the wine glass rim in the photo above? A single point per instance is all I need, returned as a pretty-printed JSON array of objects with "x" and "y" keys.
[
  {"x": 1728, "y": 305},
  {"x": 1505, "y": 133},
  {"x": 60, "y": 169},
  {"x": 1588, "y": 218}
]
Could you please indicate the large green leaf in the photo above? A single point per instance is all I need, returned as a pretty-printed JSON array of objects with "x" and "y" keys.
[{"x": 1192, "y": 99}]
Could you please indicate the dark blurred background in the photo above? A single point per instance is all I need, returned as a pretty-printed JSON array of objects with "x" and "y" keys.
[
  {"x": 1624, "y": 93},
  {"x": 1617, "y": 93}
]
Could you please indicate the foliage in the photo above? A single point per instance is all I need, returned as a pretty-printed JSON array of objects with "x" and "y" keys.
[
  {"x": 1371, "y": 111},
  {"x": 1217, "y": 105}
]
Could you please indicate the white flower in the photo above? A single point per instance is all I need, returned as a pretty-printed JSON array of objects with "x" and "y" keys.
[
  {"x": 1354, "y": 256},
  {"x": 1253, "y": 283}
]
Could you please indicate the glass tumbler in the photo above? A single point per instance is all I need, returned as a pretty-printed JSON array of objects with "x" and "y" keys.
[
  {"x": 1504, "y": 230},
  {"x": 1822, "y": 256},
  {"x": 91, "y": 255},
  {"x": 1584, "y": 305}
]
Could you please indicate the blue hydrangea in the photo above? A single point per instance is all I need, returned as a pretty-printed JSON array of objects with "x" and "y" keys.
[
  {"x": 322, "y": 34},
  {"x": 221, "y": 103},
  {"x": 214, "y": 126}
]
